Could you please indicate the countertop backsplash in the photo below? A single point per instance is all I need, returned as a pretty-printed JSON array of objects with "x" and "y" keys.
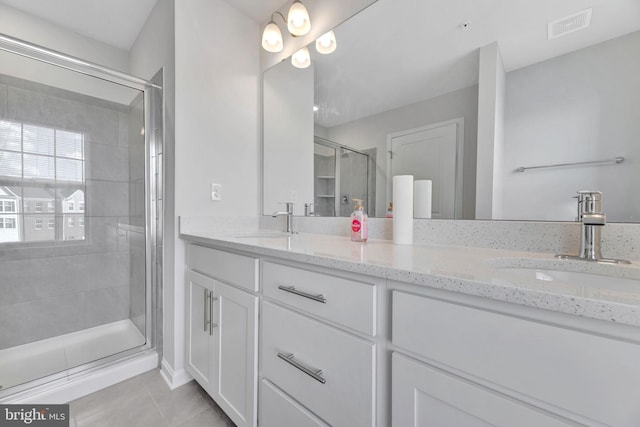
[{"x": 618, "y": 240}]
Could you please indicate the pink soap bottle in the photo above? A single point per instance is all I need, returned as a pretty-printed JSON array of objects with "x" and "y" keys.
[{"x": 358, "y": 223}]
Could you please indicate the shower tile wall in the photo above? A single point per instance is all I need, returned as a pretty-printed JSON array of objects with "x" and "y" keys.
[{"x": 56, "y": 287}]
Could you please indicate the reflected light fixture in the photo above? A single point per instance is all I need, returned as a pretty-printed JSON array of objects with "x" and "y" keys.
[
  {"x": 301, "y": 59},
  {"x": 298, "y": 21},
  {"x": 326, "y": 43},
  {"x": 272, "y": 37}
]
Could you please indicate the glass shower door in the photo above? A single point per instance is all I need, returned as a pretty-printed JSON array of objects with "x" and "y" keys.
[{"x": 73, "y": 286}]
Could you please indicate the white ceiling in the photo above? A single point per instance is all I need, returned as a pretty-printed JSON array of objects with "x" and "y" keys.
[
  {"x": 258, "y": 10},
  {"x": 398, "y": 52},
  {"x": 114, "y": 22},
  {"x": 118, "y": 22}
]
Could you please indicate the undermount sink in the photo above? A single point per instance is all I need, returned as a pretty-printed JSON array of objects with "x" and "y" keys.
[
  {"x": 263, "y": 235},
  {"x": 610, "y": 281}
]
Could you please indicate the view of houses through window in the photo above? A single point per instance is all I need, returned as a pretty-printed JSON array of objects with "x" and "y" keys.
[{"x": 42, "y": 183}]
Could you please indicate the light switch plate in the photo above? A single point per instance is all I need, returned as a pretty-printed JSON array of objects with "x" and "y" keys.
[{"x": 216, "y": 192}]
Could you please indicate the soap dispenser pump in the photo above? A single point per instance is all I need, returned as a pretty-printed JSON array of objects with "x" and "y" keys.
[{"x": 359, "y": 223}]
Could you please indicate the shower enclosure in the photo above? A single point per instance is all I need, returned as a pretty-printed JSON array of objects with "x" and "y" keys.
[
  {"x": 80, "y": 216},
  {"x": 341, "y": 174}
]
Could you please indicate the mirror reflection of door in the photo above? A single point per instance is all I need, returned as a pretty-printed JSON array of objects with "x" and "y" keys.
[{"x": 431, "y": 152}]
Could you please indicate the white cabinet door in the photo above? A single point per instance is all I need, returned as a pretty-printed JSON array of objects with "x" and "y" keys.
[
  {"x": 423, "y": 396},
  {"x": 222, "y": 344},
  {"x": 198, "y": 328},
  {"x": 234, "y": 358}
]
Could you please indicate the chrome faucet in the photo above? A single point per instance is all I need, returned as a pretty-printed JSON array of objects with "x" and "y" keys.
[
  {"x": 308, "y": 209},
  {"x": 288, "y": 214},
  {"x": 592, "y": 220}
]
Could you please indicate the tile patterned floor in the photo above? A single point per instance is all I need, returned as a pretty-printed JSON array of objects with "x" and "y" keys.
[{"x": 146, "y": 401}]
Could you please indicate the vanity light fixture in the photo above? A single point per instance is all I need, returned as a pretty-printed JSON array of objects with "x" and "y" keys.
[
  {"x": 298, "y": 24},
  {"x": 272, "y": 37},
  {"x": 326, "y": 43},
  {"x": 298, "y": 21},
  {"x": 301, "y": 59}
]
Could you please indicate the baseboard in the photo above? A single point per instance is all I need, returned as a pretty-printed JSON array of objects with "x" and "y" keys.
[{"x": 174, "y": 379}]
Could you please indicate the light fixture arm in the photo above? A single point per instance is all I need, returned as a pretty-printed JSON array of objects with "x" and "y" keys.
[{"x": 281, "y": 16}]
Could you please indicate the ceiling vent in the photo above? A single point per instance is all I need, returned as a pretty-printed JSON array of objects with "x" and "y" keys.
[{"x": 569, "y": 24}]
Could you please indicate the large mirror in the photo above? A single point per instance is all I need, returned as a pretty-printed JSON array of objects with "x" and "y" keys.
[{"x": 507, "y": 107}]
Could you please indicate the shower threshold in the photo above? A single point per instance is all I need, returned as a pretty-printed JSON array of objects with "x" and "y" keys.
[{"x": 28, "y": 362}]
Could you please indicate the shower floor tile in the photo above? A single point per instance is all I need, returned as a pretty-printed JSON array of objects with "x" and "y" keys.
[{"x": 38, "y": 359}]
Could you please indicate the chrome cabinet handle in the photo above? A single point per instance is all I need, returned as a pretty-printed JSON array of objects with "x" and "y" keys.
[
  {"x": 293, "y": 290},
  {"x": 211, "y": 324},
  {"x": 204, "y": 311},
  {"x": 316, "y": 374}
]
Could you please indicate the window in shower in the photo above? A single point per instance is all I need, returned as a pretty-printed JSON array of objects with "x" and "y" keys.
[{"x": 42, "y": 179}]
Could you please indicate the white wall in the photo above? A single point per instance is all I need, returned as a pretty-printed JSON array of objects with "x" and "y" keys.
[
  {"x": 153, "y": 49},
  {"x": 288, "y": 137},
  {"x": 577, "y": 107},
  {"x": 23, "y": 26},
  {"x": 217, "y": 92},
  {"x": 371, "y": 132},
  {"x": 491, "y": 94}
]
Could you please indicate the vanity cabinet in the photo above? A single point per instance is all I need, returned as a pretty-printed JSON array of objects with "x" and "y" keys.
[
  {"x": 458, "y": 361},
  {"x": 318, "y": 356},
  {"x": 344, "y": 349},
  {"x": 222, "y": 329}
]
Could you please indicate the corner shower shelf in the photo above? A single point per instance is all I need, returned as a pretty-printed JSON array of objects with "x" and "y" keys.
[{"x": 326, "y": 177}]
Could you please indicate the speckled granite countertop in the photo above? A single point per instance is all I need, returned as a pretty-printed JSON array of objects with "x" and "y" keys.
[{"x": 610, "y": 293}]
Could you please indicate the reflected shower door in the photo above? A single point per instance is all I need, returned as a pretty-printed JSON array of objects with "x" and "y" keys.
[{"x": 354, "y": 180}]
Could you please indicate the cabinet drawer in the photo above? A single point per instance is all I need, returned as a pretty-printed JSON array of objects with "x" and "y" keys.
[
  {"x": 227, "y": 267},
  {"x": 278, "y": 410},
  {"x": 343, "y": 301},
  {"x": 591, "y": 376},
  {"x": 426, "y": 397},
  {"x": 343, "y": 392}
]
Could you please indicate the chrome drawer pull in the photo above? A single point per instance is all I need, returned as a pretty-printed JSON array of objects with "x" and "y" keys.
[
  {"x": 211, "y": 324},
  {"x": 206, "y": 321},
  {"x": 316, "y": 374},
  {"x": 293, "y": 290}
]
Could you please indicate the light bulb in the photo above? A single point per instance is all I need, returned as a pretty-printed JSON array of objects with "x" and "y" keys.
[
  {"x": 298, "y": 21},
  {"x": 272, "y": 38},
  {"x": 301, "y": 59},
  {"x": 326, "y": 43}
]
